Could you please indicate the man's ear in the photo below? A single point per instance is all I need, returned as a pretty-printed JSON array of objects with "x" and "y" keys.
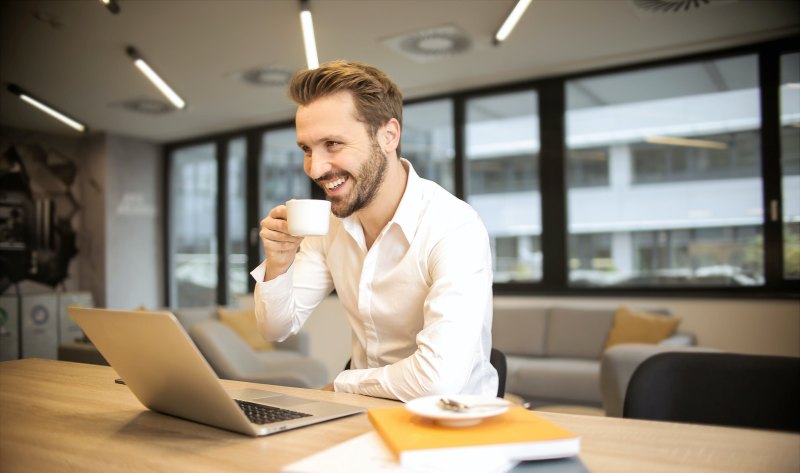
[{"x": 390, "y": 138}]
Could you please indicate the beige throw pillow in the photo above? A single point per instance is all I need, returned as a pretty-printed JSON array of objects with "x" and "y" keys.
[
  {"x": 640, "y": 327},
  {"x": 243, "y": 322}
]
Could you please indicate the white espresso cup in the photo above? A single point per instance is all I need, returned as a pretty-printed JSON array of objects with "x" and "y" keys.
[{"x": 307, "y": 217}]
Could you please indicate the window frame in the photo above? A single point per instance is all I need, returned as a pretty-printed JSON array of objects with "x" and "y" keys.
[{"x": 551, "y": 92}]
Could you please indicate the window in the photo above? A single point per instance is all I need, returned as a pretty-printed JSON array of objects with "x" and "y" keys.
[
  {"x": 725, "y": 156},
  {"x": 281, "y": 175},
  {"x": 648, "y": 179},
  {"x": 502, "y": 151},
  {"x": 677, "y": 155},
  {"x": 790, "y": 163},
  {"x": 428, "y": 141},
  {"x": 236, "y": 244},
  {"x": 588, "y": 167},
  {"x": 193, "y": 226}
]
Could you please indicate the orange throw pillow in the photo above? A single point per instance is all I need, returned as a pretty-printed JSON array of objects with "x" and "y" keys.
[
  {"x": 243, "y": 322},
  {"x": 640, "y": 327}
]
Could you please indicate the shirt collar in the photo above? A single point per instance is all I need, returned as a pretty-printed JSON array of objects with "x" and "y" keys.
[{"x": 407, "y": 214}]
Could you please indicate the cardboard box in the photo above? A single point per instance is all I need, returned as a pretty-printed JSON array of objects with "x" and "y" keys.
[
  {"x": 40, "y": 326},
  {"x": 68, "y": 331},
  {"x": 9, "y": 328}
]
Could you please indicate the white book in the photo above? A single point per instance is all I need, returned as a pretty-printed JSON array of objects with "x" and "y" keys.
[{"x": 368, "y": 454}]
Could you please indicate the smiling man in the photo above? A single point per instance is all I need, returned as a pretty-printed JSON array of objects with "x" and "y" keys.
[{"x": 410, "y": 263}]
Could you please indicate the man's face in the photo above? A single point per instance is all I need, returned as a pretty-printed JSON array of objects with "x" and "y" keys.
[{"x": 340, "y": 155}]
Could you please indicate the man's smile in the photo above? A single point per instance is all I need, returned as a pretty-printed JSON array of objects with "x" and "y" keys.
[{"x": 335, "y": 183}]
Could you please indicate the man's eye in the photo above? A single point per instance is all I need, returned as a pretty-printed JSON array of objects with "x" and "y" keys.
[{"x": 333, "y": 144}]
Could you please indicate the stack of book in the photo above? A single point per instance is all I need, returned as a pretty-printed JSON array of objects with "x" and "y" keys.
[{"x": 405, "y": 442}]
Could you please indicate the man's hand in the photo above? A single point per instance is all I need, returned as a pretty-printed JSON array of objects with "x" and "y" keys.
[{"x": 279, "y": 246}]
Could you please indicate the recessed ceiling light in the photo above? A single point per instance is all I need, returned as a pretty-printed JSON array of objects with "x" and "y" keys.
[{"x": 275, "y": 76}]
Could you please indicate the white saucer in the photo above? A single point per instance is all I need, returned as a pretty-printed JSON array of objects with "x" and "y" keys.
[{"x": 429, "y": 407}]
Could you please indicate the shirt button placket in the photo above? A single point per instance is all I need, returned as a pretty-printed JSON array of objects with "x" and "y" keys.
[{"x": 365, "y": 306}]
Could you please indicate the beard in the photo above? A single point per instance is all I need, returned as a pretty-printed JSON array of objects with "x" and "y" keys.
[{"x": 368, "y": 180}]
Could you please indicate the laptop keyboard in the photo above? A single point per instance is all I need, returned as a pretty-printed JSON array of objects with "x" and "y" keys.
[{"x": 261, "y": 414}]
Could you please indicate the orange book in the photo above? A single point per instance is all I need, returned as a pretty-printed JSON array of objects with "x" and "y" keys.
[{"x": 516, "y": 435}]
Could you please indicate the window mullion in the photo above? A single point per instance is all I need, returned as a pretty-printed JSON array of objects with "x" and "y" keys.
[{"x": 769, "y": 79}]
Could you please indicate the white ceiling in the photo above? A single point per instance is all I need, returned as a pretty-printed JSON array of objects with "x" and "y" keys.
[{"x": 71, "y": 53}]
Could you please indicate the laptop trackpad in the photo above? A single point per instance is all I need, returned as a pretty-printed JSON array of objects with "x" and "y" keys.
[{"x": 283, "y": 401}]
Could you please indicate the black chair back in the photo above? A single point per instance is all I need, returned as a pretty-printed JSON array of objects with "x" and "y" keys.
[
  {"x": 717, "y": 388},
  {"x": 498, "y": 360}
]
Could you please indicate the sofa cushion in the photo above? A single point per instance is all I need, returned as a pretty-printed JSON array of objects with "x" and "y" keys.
[
  {"x": 243, "y": 322},
  {"x": 558, "y": 379},
  {"x": 190, "y": 316},
  {"x": 640, "y": 327},
  {"x": 577, "y": 333},
  {"x": 519, "y": 331}
]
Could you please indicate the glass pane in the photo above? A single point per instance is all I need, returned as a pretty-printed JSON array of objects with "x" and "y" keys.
[
  {"x": 236, "y": 224},
  {"x": 193, "y": 226},
  {"x": 790, "y": 163},
  {"x": 663, "y": 167},
  {"x": 281, "y": 172},
  {"x": 428, "y": 141},
  {"x": 502, "y": 148}
]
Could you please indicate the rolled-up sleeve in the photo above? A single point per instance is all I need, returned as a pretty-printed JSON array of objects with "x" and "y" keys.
[{"x": 283, "y": 304}]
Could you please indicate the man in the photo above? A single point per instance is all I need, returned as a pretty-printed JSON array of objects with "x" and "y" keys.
[{"x": 410, "y": 263}]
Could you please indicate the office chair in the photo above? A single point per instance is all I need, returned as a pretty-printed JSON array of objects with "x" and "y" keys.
[
  {"x": 717, "y": 388},
  {"x": 497, "y": 359}
]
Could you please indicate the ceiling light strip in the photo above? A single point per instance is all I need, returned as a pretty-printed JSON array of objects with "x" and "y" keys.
[
  {"x": 112, "y": 5},
  {"x": 511, "y": 21},
  {"x": 309, "y": 40},
  {"x": 29, "y": 99},
  {"x": 151, "y": 74},
  {"x": 676, "y": 141}
]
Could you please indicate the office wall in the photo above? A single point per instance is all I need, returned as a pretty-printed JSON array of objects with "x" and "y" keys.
[
  {"x": 118, "y": 223},
  {"x": 765, "y": 327},
  {"x": 120, "y": 244},
  {"x": 91, "y": 235},
  {"x": 134, "y": 270}
]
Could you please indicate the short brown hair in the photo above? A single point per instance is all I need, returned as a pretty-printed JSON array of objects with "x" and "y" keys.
[{"x": 377, "y": 99}]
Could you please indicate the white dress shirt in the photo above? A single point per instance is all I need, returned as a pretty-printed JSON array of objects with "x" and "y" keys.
[{"x": 419, "y": 301}]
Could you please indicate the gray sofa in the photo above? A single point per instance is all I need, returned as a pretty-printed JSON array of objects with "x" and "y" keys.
[
  {"x": 553, "y": 353},
  {"x": 230, "y": 356}
]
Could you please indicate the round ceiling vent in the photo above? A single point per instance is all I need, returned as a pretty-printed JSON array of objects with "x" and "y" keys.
[
  {"x": 669, "y": 5},
  {"x": 147, "y": 106},
  {"x": 436, "y": 43},
  {"x": 267, "y": 76},
  {"x": 431, "y": 44}
]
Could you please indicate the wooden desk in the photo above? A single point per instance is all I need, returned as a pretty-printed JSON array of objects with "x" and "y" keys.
[{"x": 58, "y": 416}]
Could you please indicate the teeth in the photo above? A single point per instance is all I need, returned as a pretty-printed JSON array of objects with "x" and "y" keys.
[{"x": 333, "y": 185}]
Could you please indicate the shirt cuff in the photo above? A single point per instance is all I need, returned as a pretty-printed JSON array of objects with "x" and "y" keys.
[
  {"x": 260, "y": 271},
  {"x": 370, "y": 382}
]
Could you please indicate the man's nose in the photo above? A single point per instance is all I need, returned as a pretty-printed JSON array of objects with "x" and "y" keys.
[{"x": 317, "y": 165}]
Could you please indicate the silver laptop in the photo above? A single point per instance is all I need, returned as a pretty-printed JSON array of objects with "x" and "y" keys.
[{"x": 158, "y": 361}]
